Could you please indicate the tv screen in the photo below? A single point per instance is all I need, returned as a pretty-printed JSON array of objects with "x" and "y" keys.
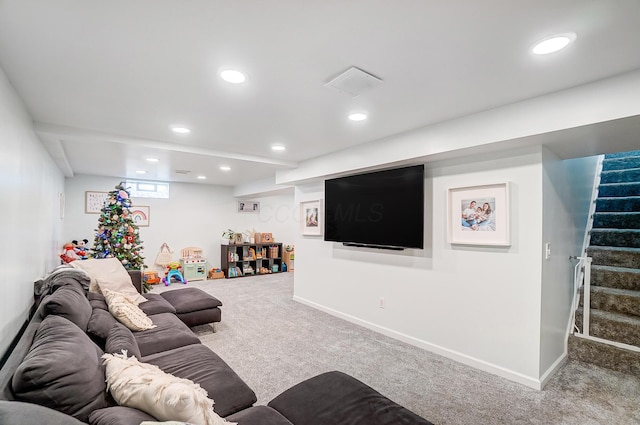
[{"x": 382, "y": 209}]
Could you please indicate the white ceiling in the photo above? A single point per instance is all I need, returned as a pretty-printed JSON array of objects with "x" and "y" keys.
[{"x": 105, "y": 80}]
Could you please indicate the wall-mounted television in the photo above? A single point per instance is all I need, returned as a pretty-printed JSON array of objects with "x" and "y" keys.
[{"x": 381, "y": 209}]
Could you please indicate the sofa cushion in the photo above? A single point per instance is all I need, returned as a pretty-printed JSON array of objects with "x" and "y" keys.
[
  {"x": 126, "y": 311},
  {"x": 186, "y": 300},
  {"x": 71, "y": 303},
  {"x": 100, "y": 323},
  {"x": 109, "y": 273},
  {"x": 16, "y": 412},
  {"x": 204, "y": 367},
  {"x": 97, "y": 300},
  {"x": 62, "y": 370},
  {"x": 120, "y": 338},
  {"x": 156, "y": 304},
  {"x": 145, "y": 387},
  {"x": 168, "y": 334},
  {"x": 258, "y": 415},
  {"x": 335, "y": 398},
  {"x": 118, "y": 415}
]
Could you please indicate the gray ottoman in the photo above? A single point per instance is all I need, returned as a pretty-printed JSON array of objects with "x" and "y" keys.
[
  {"x": 194, "y": 306},
  {"x": 335, "y": 398}
]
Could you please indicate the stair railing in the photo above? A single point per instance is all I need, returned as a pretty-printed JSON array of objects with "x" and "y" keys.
[
  {"x": 582, "y": 270},
  {"x": 581, "y": 278}
]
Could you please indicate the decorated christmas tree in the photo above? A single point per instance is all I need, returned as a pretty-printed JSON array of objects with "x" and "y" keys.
[{"x": 117, "y": 234}]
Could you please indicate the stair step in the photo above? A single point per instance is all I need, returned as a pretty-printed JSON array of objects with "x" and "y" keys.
[
  {"x": 615, "y": 277},
  {"x": 629, "y": 238},
  {"x": 618, "y": 204},
  {"x": 623, "y": 301},
  {"x": 614, "y": 257},
  {"x": 620, "y": 176},
  {"x": 621, "y": 163},
  {"x": 622, "y": 154},
  {"x": 612, "y": 326},
  {"x": 604, "y": 355},
  {"x": 619, "y": 189},
  {"x": 616, "y": 220}
]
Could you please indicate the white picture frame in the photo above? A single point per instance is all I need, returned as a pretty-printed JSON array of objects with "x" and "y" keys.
[
  {"x": 141, "y": 215},
  {"x": 489, "y": 225},
  {"x": 311, "y": 218},
  {"x": 252, "y": 207},
  {"x": 94, "y": 201}
]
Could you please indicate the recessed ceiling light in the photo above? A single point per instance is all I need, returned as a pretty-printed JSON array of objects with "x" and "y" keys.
[
  {"x": 358, "y": 116},
  {"x": 278, "y": 148},
  {"x": 153, "y": 159},
  {"x": 180, "y": 130},
  {"x": 232, "y": 76},
  {"x": 553, "y": 44},
  {"x": 141, "y": 172},
  {"x": 225, "y": 168},
  {"x": 202, "y": 177}
]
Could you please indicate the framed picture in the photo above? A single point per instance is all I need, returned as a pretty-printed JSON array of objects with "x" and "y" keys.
[
  {"x": 479, "y": 215},
  {"x": 140, "y": 215},
  {"x": 94, "y": 201},
  {"x": 311, "y": 217},
  {"x": 267, "y": 237},
  {"x": 238, "y": 239},
  {"x": 248, "y": 207}
]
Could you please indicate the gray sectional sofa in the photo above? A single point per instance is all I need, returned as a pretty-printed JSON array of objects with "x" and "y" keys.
[{"x": 55, "y": 374}]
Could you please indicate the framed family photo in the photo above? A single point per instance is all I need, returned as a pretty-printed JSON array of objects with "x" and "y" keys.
[
  {"x": 311, "y": 217},
  {"x": 479, "y": 215}
]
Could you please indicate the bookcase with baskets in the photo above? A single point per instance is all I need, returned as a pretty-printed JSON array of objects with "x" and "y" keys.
[{"x": 250, "y": 259}]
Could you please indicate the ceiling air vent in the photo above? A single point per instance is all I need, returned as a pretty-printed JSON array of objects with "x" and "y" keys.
[
  {"x": 354, "y": 82},
  {"x": 183, "y": 171}
]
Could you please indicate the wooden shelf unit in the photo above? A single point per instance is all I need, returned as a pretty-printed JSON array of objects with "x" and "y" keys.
[{"x": 234, "y": 257}]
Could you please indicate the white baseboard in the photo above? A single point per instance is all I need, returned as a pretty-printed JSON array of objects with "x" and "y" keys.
[{"x": 528, "y": 381}]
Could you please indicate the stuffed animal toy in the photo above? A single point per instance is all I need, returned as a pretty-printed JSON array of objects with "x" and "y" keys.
[
  {"x": 68, "y": 253},
  {"x": 80, "y": 248},
  {"x": 174, "y": 269}
]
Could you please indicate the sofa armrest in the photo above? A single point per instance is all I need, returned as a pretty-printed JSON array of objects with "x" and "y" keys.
[{"x": 136, "y": 278}]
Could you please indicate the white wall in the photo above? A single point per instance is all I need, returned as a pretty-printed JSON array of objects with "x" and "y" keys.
[
  {"x": 194, "y": 215},
  {"x": 478, "y": 305},
  {"x": 30, "y": 221},
  {"x": 567, "y": 190}
]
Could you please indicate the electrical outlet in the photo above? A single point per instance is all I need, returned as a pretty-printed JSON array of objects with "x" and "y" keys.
[{"x": 381, "y": 303}]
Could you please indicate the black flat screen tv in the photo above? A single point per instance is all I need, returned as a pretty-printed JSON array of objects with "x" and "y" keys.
[{"x": 381, "y": 209}]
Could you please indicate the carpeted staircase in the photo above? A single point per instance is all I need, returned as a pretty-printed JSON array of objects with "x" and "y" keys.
[{"x": 615, "y": 273}]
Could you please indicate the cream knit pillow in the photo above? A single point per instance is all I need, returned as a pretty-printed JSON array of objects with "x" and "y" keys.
[
  {"x": 167, "y": 398},
  {"x": 109, "y": 273},
  {"x": 126, "y": 311}
]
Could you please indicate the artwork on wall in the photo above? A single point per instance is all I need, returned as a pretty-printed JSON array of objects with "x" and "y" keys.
[
  {"x": 479, "y": 215},
  {"x": 140, "y": 215},
  {"x": 248, "y": 207},
  {"x": 94, "y": 201},
  {"x": 311, "y": 217}
]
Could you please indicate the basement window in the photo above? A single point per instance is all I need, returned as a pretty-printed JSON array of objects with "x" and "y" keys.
[{"x": 147, "y": 189}]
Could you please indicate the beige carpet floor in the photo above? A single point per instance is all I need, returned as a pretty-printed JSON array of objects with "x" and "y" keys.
[{"x": 273, "y": 342}]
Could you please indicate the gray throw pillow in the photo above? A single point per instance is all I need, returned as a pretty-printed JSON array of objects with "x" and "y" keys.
[
  {"x": 62, "y": 370},
  {"x": 120, "y": 338},
  {"x": 100, "y": 323},
  {"x": 71, "y": 303}
]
